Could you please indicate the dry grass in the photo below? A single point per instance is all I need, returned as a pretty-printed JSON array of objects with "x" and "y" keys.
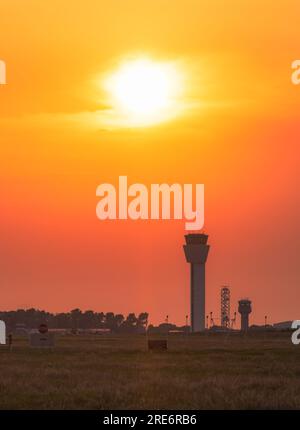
[{"x": 110, "y": 372}]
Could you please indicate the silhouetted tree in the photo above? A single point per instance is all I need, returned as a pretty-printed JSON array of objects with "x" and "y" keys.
[
  {"x": 110, "y": 321},
  {"x": 130, "y": 324},
  {"x": 142, "y": 321},
  {"x": 119, "y": 319},
  {"x": 75, "y": 319}
]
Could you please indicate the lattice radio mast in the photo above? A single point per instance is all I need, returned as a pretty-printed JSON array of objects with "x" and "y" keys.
[{"x": 225, "y": 307}]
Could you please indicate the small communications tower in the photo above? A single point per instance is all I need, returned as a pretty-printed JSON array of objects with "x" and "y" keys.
[{"x": 245, "y": 309}]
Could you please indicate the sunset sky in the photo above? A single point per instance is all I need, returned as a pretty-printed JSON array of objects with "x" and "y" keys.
[{"x": 233, "y": 125}]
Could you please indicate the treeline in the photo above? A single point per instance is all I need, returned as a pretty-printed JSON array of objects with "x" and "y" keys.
[{"x": 75, "y": 320}]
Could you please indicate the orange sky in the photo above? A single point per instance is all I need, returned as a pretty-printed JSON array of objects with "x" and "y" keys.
[{"x": 59, "y": 139}]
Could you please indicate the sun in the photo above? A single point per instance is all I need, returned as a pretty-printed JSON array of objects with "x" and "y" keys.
[{"x": 144, "y": 91}]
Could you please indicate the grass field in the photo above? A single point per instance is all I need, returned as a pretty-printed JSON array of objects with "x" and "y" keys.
[{"x": 117, "y": 372}]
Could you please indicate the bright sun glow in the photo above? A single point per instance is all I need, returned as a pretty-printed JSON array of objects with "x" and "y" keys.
[{"x": 144, "y": 91}]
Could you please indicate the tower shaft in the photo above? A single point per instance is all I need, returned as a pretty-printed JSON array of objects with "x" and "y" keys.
[
  {"x": 244, "y": 322},
  {"x": 197, "y": 297}
]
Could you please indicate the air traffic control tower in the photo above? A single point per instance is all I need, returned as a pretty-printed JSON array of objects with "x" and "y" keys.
[{"x": 196, "y": 252}]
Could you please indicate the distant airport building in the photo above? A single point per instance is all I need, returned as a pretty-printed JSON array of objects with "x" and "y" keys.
[
  {"x": 284, "y": 325},
  {"x": 196, "y": 252}
]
